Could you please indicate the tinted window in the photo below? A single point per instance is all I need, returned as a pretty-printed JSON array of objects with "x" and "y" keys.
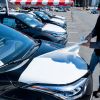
[
  {"x": 29, "y": 20},
  {"x": 35, "y": 17},
  {"x": 9, "y": 22},
  {"x": 14, "y": 23},
  {"x": 20, "y": 25},
  {"x": 13, "y": 44},
  {"x": 43, "y": 15},
  {"x": 49, "y": 14}
]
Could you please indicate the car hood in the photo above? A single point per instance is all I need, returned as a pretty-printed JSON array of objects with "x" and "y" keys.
[
  {"x": 57, "y": 67},
  {"x": 61, "y": 17},
  {"x": 53, "y": 28},
  {"x": 57, "y": 20}
]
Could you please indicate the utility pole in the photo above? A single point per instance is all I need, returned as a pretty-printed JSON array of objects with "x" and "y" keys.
[
  {"x": 85, "y": 3},
  {"x": 7, "y": 7},
  {"x": 74, "y": 2}
]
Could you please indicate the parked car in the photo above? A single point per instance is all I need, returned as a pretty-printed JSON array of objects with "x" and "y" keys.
[
  {"x": 34, "y": 28},
  {"x": 60, "y": 9},
  {"x": 94, "y": 11},
  {"x": 54, "y": 16},
  {"x": 46, "y": 75},
  {"x": 46, "y": 19},
  {"x": 34, "y": 16}
]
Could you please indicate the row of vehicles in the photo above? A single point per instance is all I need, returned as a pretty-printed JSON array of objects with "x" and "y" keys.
[
  {"x": 49, "y": 8},
  {"x": 50, "y": 29},
  {"x": 35, "y": 62}
]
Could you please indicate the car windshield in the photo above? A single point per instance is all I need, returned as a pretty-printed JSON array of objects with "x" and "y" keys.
[
  {"x": 49, "y": 14},
  {"x": 29, "y": 20},
  {"x": 35, "y": 18},
  {"x": 43, "y": 15},
  {"x": 13, "y": 44}
]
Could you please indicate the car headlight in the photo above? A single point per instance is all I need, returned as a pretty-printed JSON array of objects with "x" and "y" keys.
[
  {"x": 65, "y": 92},
  {"x": 73, "y": 91}
]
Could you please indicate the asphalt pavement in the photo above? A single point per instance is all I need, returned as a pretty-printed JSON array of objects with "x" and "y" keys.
[{"x": 79, "y": 24}]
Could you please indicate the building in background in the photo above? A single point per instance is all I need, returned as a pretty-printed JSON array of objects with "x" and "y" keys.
[
  {"x": 95, "y": 2},
  {"x": 83, "y": 3}
]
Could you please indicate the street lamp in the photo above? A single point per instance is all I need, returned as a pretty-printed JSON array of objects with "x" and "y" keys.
[
  {"x": 74, "y": 2},
  {"x": 7, "y": 7}
]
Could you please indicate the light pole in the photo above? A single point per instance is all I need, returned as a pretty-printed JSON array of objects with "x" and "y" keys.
[
  {"x": 88, "y": 1},
  {"x": 7, "y": 7},
  {"x": 75, "y": 3},
  {"x": 85, "y": 4}
]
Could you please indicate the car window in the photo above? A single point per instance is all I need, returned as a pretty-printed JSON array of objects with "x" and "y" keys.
[
  {"x": 49, "y": 14},
  {"x": 8, "y": 48},
  {"x": 9, "y": 22},
  {"x": 14, "y": 23},
  {"x": 20, "y": 25},
  {"x": 29, "y": 20},
  {"x": 13, "y": 44},
  {"x": 43, "y": 15}
]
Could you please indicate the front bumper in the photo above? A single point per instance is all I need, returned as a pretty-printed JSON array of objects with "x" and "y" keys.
[
  {"x": 84, "y": 94},
  {"x": 31, "y": 92}
]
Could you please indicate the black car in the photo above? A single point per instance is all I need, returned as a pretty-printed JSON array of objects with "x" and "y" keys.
[
  {"x": 30, "y": 69},
  {"x": 34, "y": 28},
  {"x": 47, "y": 19}
]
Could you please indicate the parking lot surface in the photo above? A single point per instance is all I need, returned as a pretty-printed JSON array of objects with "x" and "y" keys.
[{"x": 80, "y": 23}]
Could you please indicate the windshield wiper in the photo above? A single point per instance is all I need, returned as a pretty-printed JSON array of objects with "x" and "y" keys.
[{"x": 25, "y": 57}]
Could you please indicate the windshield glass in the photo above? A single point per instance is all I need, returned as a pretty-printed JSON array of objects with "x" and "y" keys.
[
  {"x": 49, "y": 14},
  {"x": 43, "y": 15},
  {"x": 29, "y": 20},
  {"x": 13, "y": 45}
]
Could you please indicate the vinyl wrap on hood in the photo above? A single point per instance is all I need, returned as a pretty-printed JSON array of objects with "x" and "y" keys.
[
  {"x": 57, "y": 67},
  {"x": 53, "y": 28},
  {"x": 60, "y": 17},
  {"x": 57, "y": 20}
]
